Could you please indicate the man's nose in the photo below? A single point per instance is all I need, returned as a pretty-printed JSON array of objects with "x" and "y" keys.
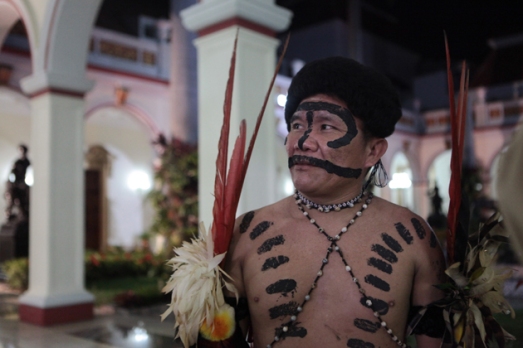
[{"x": 308, "y": 141}]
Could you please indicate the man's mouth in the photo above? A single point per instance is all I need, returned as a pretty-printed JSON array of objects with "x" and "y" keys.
[{"x": 326, "y": 165}]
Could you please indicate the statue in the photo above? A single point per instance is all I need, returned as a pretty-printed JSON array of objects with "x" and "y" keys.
[
  {"x": 437, "y": 220},
  {"x": 14, "y": 233},
  {"x": 17, "y": 194}
]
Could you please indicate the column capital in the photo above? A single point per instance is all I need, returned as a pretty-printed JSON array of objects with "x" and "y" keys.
[
  {"x": 212, "y": 15},
  {"x": 45, "y": 81}
]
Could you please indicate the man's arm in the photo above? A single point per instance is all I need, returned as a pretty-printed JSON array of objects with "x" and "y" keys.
[{"x": 430, "y": 270}]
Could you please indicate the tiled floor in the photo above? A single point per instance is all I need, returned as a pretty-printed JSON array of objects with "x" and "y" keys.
[{"x": 136, "y": 329}]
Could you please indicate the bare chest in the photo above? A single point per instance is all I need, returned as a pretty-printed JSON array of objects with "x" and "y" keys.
[{"x": 295, "y": 273}]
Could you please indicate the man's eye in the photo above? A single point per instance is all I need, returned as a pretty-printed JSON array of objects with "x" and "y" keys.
[
  {"x": 295, "y": 126},
  {"x": 326, "y": 127}
]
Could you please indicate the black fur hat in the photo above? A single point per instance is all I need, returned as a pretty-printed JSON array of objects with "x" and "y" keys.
[{"x": 369, "y": 95}]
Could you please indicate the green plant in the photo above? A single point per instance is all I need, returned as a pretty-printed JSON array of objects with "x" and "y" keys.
[
  {"x": 175, "y": 192},
  {"x": 17, "y": 273}
]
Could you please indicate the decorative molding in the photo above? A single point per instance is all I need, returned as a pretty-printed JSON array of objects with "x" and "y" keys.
[{"x": 210, "y": 13}]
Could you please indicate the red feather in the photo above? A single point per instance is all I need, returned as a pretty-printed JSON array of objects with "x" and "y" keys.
[
  {"x": 457, "y": 127},
  {"x": 228, "y": 186}
]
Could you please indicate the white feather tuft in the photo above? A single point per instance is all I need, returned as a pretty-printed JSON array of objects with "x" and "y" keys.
[{"x": 196, "y": 286}]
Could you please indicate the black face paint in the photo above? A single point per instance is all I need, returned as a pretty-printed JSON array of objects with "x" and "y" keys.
[
  {"x": 377, "y": 282},
  {"x": 343, "y": 113},
  {"x": 246, "y": 222},
  {"x": 433, "y": 240},
  {"x": 330, "y": 167},
  {"x": 420, "y": 231},
  {"x": 384, "y": 253},
  {"x": 283, "y": 310},
  {"x": 355, "y": 343},
  {"x": 282, "y": 286},
  {"x": 380, "y": 306},
  {"x": 391, "y": 243},
  {"x": 293, "y": 331},
  {"x": 274, "y": 262},
  {"x": 305, "y": 135},
  {"x": 260, "y": 228},
  {"x": 270, "y": 243},
  {"x": 404, "y": 233},
  {"x": 367, "y": 325},
  {"x": 380, "y": 264}
]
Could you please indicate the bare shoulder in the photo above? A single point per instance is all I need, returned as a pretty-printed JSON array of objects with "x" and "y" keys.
[{"x": 412, "y": 229}]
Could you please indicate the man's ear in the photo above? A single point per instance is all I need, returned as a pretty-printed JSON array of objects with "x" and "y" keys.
[{"x": 376, "y": 149}]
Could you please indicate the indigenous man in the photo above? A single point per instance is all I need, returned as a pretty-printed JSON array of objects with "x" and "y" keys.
[{"x": 333, "y": 266}]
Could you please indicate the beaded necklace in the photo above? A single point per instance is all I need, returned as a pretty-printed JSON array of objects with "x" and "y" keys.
[
  {"x": 325, "y": 208},
  {"x": 333, "y": 247}
]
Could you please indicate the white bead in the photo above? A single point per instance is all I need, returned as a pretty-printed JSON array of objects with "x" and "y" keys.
[
  {"x": 344, "y": 229},
  {"x": 337, "y": 208},
  {"x": 355, "y": 280},
  {"x": 285, "y": 329},
  {"x": 320, "y": 209},
  {"x": 299, "y": 309},
  {"x": 337, "y": 237},
  {"x": 312, "y": 221},
  {"x": 276, "y": 338},
  {"x": 305, "y": 213},
  {"x": 269, "y": 346},
  {"x": 307, "y": 297},
  {"x": 369, "y": 303},
  {"x": 327, "y": 210},
  {"x": 383, "y": 324},
  {"x": 365, "y": 206},
  {"x": 293, "y": 318},
  {"x": 394, "y": 338},
  {"x": 351, "y": 221},
  {"x": 389, "y": 331},
  {"x": 399, "y": 343},
  {"x": 347, "y": 268},
  {"x": 376, "y": 314},
  {"x": 320, "y": 273},
  {"x": 358, "y": 213},
  {"x": 336, "y": 248}
]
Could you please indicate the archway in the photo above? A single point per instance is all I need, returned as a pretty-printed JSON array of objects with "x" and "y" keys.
[
  {"x": 401, "y": 181},
  {"x": 128, "y": 143}
]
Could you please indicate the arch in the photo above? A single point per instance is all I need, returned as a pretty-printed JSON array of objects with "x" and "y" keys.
[
  {"x": 24, "y": 12},
  {"x": 401, "y": 180},
  {"x": 133, "y": 110},
  {"x": 65, "y": 46}
]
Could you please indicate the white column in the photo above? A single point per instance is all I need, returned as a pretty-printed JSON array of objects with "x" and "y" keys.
[
  {"x": 421, "y": 198},
  {"x": 56, "y": 289},
  {"x": 218, "y": 22}
]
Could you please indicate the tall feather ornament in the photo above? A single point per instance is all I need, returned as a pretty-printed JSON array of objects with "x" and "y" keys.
[
  {"x": 475, "y": 288},
  {"x": 197, "y": 282}
]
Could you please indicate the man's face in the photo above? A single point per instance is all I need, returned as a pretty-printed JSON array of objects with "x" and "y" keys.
[{"x": 325, "y": 145}]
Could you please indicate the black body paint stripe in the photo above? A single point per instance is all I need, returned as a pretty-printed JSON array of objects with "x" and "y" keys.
[
  {"x": 355, "y": 343},
  {"x": 283, "y": 310},
  {"x": 420, "y": 231},
  {"x": 384, "y": 253},
  {"x": 380, "y": 264},
  {"x": 282, "y": 286},
  {"x": 293, "y": 331},
  {"x": 259, "y": 229},
  {"x": 377, "y": 282},
  {"x": 305, "y": 135},
  {"x": 391, "y": 243},
  {"x": 379, "y": 306},
  {"x": 341, "y": 112},
  {"x": 433, "y": 240},
  {"x": 404, "y": 233},
  {"x": 367, "y": 325},
  {"x": 274, "y": 262},
  {"x": 246, "y": 222},
  {"x": 270, "y": 243},
  {"x": 330, "y": 167}
]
